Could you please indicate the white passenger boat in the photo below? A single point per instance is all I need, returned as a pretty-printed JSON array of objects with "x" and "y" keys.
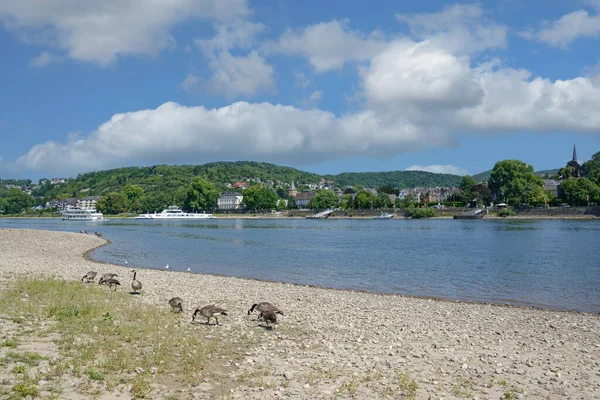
[
  {"x": 175, "y": 213},
  {"x": 81, "y": 214}
]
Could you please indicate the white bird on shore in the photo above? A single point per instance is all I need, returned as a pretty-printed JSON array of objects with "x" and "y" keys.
[
  {"x": 126, "y": 262},
  {"x": 167, "y": 266},
  {"x": 189, "y": 269}
]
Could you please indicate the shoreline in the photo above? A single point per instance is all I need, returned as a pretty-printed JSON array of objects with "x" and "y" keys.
[
  {"x": 88, "y": 256},
  {"x": 441, "y": 217},
  {"x": 346, "y": 343}
]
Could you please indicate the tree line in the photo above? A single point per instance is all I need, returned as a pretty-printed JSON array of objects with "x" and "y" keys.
[{"x": 511, "y": 181}]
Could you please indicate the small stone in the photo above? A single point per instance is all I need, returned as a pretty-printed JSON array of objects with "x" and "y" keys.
[
  {"x": 139, "y": 370},
  {"x": 289, "y": 375},
  {"x": 306, "y": 386}
]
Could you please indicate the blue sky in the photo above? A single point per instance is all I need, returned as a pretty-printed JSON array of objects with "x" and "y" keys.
[{"x": 326, "y": 87}]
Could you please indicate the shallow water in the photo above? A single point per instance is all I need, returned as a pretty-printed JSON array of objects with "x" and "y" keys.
[{"x": 549, "y": 263}]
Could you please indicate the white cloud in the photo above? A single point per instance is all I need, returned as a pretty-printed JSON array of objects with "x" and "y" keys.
[
  {"x": 567, "y": 29},
  {"x": 418, "y": 74},
  {"x": 514, "y": 101},
  {"x": 176, "y": 134},
  {"x": 328, "y": 45},
  {"x": 438, "y": 169},
  {"x": 240, "y": 75},
  {"x": 460, "y": 29},
  {"x": 191, "y": 83},
  {"x": 316, "y": 95},
  {"x": 100, "y": 31},
  {"x": 44, "y": 59},
  {"x": 236, "y": 75}
]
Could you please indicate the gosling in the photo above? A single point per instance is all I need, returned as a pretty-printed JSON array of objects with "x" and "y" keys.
[
  {"x": 136, "y": 285},
  {"x": 209, "y": 312},
  {"x": 90, "y": 276},
  {"x": 264, "y": 306},
  {"x": 112, "y": 282},
  {"x": 176, "y": 304},
  {"x": 104, "y": 278},
  {"x": 270, "y": 317}
]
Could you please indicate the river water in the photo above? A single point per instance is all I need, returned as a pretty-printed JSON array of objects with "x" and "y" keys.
[{"x": 545, "y": 263}]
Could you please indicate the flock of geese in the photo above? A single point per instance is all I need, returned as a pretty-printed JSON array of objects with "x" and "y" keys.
[{"x": 267, "y": 312}]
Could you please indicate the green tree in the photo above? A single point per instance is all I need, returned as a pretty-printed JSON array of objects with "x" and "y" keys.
[
  {"x": 580, "y": 191},
  {"x": 383, "y": 201},
  {"x": 365, "y": 200},
  {"x": 591, "y": 169},
  {"x": 482, "y": 193},
  {"x": 112, "y": 203},
  {"x": 154, "y": 202},
  {"x": 3, "y": 205},
  {"x": 201, "y": 195},
  {"x": 17, "y": 201},
  {"x": 514, "y": 181},
  {"x": 281, "y": 205},
  {"x": 347, "y": 202},
  {"x": 389, "y": 190},
  {"x": 134, "y": 194},
  {"x": 323, "y": 199},
  {"x": 259, "y": 197}
]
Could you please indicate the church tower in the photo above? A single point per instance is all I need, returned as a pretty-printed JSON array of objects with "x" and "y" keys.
[
  {"x": 292, "y": 192},
  {"x": 575, "y": 164},
  {"x": 575, "y": 154}
]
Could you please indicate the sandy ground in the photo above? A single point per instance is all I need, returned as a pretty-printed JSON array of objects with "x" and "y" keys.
[{"x": 333, "y": 343}]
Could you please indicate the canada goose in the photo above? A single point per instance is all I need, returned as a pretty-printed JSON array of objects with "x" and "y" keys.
[
  {"x": 98, "y": 234},
  {"x": 269, "y": 316},
  {"x": 135, "y": 284},
  {"x": 264, "y": 306},
  {"x": 208, "y": 312},
  {"x": 105, "y": 277},
  {"x": 112, "y": 282},
  {"x": 176, "y": 304},
  {"x": 90, "y": 276}
]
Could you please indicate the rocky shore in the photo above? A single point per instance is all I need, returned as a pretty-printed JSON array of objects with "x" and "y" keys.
[{"x": 343, "y": 344}]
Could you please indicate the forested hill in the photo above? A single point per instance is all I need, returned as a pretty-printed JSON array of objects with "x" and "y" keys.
[
  {"x": 165, "y": 177},
  {"x": 172, "y": 177},
  {"x": 399, "y": 179}
]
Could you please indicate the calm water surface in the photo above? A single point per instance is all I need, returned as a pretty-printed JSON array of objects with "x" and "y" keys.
[{"x": 552, "y": 264}]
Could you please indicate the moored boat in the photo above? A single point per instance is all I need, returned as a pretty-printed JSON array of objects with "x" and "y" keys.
[
  {"x": 384, "y": 216},
  {"x": 81, "y": 214},
  {"x": 175, "y": 213}
]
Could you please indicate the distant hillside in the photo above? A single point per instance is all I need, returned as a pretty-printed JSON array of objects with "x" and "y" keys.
[
  {"x": 399, "y": 179},
  {"x": 166, "y": 178},
  {"x": 173, "y": 177}
]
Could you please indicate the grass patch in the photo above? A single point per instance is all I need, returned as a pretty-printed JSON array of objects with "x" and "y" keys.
[
  {"x": 11, "y": 343},
  {"x": 24, "y": 389},
  {"x": 111, "y": 337},
  {"x": 409, "y": 386}
]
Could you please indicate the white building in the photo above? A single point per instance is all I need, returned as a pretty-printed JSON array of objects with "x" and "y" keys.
[
  {"x": 230, "y": 201},
  {"x": 88, "y": 203}
]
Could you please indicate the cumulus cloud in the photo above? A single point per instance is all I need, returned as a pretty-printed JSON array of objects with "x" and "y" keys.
[
  {"x": 328, "y": 45},
  {"x": 100, "y": 31},
  {"x": 460, "y": 28},
  {"x": 420, "y": 74},
  {"x": 567, "y": 29},
  {"x": 236, "y": 75},
  {"x": 174, "y": 133},
  {"x": 240, "y": 75},
  {"x": 438, "y": 169},
  {"x": 43, "y": 59}
]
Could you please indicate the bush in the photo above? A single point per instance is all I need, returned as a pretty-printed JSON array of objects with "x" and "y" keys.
[
  {"x": 506, "y": 213},
  {"x": 418, "y": 213}
]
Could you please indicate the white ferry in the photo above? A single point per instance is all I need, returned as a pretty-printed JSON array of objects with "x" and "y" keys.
[
  {"x": 81, "y": 214},
  {"x": 175, "y": 213}
]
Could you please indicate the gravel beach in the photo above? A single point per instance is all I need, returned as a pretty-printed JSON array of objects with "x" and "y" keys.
[{"x": 344, "y": 344}]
